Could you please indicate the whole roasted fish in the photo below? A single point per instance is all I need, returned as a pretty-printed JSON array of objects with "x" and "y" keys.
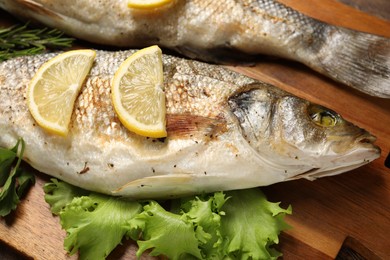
[
  {"x": 220, "y": 31},
  {"x": 225, "y": 131}
]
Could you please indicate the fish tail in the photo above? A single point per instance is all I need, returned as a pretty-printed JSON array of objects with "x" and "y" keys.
[{"x": 357, "y": 59}]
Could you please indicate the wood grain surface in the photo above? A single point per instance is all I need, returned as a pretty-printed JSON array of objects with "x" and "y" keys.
[
  {"x": 325, "y": 212},
  {"x": 377, "y": 8}
]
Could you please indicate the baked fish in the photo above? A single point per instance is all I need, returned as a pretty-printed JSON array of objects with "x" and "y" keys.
[
  {"x": 222, "y": 31},
  {"x": 225, "y": 131}
]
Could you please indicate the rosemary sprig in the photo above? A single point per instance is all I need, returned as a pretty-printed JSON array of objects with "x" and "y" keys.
[{"x": 20, "y": 40}]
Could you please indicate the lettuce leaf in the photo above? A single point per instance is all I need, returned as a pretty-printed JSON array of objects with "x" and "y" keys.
[
  {"x": 232, "y": 225},
  {"x": 205, "y": 214},
  {"x": 95, "y": 223},
  {"x": 14, "y": 180},
  {"x": 58, "y": 194},
  {"x": 252, "y": 225},
  {"x": 166, "y": 233},
  {"x": 189, "y": 230}
]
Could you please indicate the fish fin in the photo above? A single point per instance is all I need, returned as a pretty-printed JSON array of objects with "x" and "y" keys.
[
  {"x": 357, "y": 59},
  {"x": 35, "y": 7},
  {"x": 153, "y": 186},
  {"x": 218, "y": 55},
  {"x": 187, "y": 125}
]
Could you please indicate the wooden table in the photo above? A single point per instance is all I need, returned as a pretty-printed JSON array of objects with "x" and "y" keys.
[{"x": 325, "y": 212}]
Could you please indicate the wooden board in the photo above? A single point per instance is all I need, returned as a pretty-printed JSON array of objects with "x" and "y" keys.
[
  {"x": 325, "y": 212},
  {"x": 378, "y": 8}
]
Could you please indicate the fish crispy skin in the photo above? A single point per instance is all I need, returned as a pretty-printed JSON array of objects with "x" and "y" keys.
[
  {"x": 222, "y": 31},
  {"x": 225, "y": 131}
]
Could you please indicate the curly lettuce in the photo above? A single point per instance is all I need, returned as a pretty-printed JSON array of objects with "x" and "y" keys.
[
  {"x": 254, "y": 228},
  {"x": 95, "y": 223},
  {"x": 223, "y": 225},
  {"x": 164, "y": 232}
]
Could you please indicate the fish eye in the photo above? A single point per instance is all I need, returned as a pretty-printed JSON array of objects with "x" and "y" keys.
[{"x": 323, "y": 116}]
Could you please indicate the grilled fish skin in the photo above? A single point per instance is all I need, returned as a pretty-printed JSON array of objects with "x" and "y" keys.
[
  {"x": 221, "y": 31},
  {"x": 225, "y": 131}
]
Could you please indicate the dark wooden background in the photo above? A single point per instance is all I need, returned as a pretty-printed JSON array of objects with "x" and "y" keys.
[{"x": 379, "y": 8}]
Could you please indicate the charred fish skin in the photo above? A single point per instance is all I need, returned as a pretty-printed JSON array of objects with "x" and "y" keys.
[
  {"x": 225, "y": 131},
  {"x": 225, "y": 31}
]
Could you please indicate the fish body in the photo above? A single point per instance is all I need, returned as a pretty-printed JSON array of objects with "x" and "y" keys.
[
  {"x": 222, "y": 31},
  {"x": 225, "y": 131}
]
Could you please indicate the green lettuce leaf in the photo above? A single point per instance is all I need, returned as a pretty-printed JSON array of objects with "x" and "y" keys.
[
  {"x": 14, "y": 180},
  {"x": 166, "y": 233},
  {"x": 96, "y": 224},
  {"x": 58, "y": 194},
  {"x": 233, "y": 225},
  {"x": 252, "y": 225},
  {"x": 205, "y": 215}
]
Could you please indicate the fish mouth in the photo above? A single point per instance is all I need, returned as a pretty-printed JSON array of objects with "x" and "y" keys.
[
  {"x": 366, "y": 138},
  {"x": 318, "y": 172},
  {"x": 365, "y": 152},
  {"x": 361, "y": 140}
]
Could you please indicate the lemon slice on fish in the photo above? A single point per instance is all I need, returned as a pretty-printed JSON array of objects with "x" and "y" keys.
[
  {"x": 148, "y": 4},
  {"x": 52, "y": 91},
  {"x": 138, "y": 95}
]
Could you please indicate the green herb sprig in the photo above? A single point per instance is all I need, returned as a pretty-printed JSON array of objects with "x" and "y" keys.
[
  {"x": 20, "y": 40},
  {"x": 14, "y": 180}
]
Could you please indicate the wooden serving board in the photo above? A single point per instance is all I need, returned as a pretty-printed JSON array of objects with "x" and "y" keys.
[{"x": 325, "y": 212}]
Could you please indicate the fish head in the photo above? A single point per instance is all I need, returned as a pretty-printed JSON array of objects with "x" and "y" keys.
[{"x": 306, "y": 139}]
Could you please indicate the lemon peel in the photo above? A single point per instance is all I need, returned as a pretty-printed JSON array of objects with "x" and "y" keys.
[{"x": 148, "y": 4}]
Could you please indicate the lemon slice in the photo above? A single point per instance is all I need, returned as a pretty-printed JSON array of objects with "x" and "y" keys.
[
  {"x": 52, "y": 91},
  {"x": 148, "y": 4},
  {"x": 138, "y": 95}
]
